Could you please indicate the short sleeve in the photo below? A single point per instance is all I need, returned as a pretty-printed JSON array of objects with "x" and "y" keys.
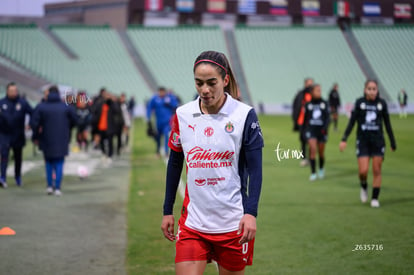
[
  {"x": 252, "y": 134},
  {"x": 174, "y": 141}
]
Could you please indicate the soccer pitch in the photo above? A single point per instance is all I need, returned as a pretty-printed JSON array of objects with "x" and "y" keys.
[{"x": 302, "y": 227}]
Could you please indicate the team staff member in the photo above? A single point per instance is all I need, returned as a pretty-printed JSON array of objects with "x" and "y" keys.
[
  {"x": 334, "y": 104},
  {"x": 316, "y": 128},
  {"x": 298, "y": 116},
  {"x": 52, "y": 122},
  {"x": 164, "y": 105},
  {"x": 370, "y": 112},
  {"x": 4, "y": 126},
  {"x": 220, "y": 139},
  {"x": 14, "y": 109}
]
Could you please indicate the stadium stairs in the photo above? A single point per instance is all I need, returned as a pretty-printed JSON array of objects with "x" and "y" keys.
[
  {"x": 59, "y": 43},
  {"x": 28, "y": 82},
  {"x": 236, "y": 65},
  {"x": 139, "y": 63},
  {"x": 363, "y": 61}
]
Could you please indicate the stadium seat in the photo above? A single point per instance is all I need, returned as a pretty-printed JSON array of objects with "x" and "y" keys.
[
  {"x": 170, "y": 53},
  {"x": 390, "y": 50},
  {"x": 102, "y": 61},
  {"x": 276, "y": 61}
]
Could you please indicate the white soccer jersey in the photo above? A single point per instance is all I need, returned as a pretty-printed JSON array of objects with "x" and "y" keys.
[{"x": 211, "y": 146}]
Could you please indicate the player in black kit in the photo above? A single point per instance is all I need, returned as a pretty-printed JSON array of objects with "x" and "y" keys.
[
  {"x": 369, "y": 112},
  {"x": 316, "y": 129}
]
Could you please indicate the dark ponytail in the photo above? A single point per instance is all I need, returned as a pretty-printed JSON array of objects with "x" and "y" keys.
[{"x": 220, "y": 61}]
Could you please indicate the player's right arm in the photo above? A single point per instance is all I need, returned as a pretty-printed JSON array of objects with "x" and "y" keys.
[
  {"x": 351, "y": 123},
  {"x": 174, "y": 169}
]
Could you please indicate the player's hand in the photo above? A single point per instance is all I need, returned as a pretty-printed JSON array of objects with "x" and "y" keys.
[
  {"x": 247, "y": 226},
  {"x": 167, "y": 227},
  {"x": 342, "y": 146}
]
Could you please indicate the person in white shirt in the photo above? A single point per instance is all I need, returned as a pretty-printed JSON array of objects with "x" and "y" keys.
[{"x": 221, "y": 142}]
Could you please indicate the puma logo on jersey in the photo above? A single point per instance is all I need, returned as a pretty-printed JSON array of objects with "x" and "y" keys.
[{"x": 192, "y": 127}]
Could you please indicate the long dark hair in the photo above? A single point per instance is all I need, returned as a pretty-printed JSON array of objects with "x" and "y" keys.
[{"x": 220, "y": 61}]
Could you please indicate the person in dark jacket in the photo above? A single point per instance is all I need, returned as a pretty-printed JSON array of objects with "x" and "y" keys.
[
  {"x": 334, "y": 104},
  {"x": 105, "y": 119},
  {"x": 298, "y": 115},
  {"x": 95, "y": 109},
  {"x": 14, "y": 109},
  {"x": 53, "y": 121},
  {"x": 4, "y": 126}
]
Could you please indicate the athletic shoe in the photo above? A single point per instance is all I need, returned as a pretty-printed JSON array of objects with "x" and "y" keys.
[
  {"x": 49, "y": 190},
  {"x": 3, "y": 183},
  {"x": 304, "y": 163},
  {"x": 19, "y": 181},
  {"x": 375, "y": 204},
  {"x": 321, "y": 174},
  {"x": 313, "y": 177},
  {"x": 363, "y": 195},
  {"x": 58, "y": 193}
]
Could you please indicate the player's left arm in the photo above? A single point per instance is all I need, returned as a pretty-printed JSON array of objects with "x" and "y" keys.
[
  {"x": 387, "y": 123},
  {"x": 253, "y": 144},
  {"x": 327, "y": 119}
]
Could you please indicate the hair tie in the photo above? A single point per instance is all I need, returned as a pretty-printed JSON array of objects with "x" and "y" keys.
[{"x": 210, "y": 61}]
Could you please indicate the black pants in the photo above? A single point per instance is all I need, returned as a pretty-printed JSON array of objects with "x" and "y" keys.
[
  {"x": 107, "y": 139},
  {"x": 118, "y": 142},
  {"x": 303, "y": 140},
  {"x": 17, "y": 154}
]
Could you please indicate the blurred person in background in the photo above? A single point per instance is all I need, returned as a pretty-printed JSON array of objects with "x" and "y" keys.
[
  {"x": 402, "y": 100},
  {"x": 334, "y": 105},
  {"x": 105, "y": 117},
  {"x": 316, "y": 128},
  {"x": 370, "y": 112},
  {"x": 164, "y": 105},
  {"x": 131, "y": 106},
  {"x": 123, "y": 130},
  {"x": 14, "y": 110},
  {"x": 53, "y": 121},
  {"x": 96, "y": 104},
  {"x": 298, "y": 115},
  {"x": 84, "y": 115}
]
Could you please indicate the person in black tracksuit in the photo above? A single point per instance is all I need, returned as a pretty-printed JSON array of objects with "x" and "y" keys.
[
  {"x": 334, "y": 104},
  {"x": 316, "y": 124},
  {"x": 105, "y": 120},
  {"x": 12, "y": 131},
  {"x": 301, "y": 98},
  {"x": 369, "y": 113}
]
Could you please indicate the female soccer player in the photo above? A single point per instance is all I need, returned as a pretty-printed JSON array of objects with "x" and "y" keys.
[
  {"x": 369, "y": 112},
  {"x": 220, "y": 139},
  {"x": 316, "y": 130}
]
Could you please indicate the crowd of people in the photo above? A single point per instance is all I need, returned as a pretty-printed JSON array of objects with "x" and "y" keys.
[
  {"x": 312, "y": 117},
  {"x": 97, "y": 122}
]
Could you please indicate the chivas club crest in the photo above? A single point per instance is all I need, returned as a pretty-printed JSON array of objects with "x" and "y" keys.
[{"x": 229, "y": 128}]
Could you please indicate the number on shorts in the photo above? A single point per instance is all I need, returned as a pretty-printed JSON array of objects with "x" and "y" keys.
[{"x": 245, "y": 248}]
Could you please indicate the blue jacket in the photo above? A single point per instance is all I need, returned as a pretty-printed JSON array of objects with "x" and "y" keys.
[
  {"x": 52, "y": 122},
  {"x": 12, "y": 121},
  {"x": 164, "y": 108}
]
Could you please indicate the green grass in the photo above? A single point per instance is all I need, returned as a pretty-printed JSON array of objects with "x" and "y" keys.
[{"x": 303, "y": 227}]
